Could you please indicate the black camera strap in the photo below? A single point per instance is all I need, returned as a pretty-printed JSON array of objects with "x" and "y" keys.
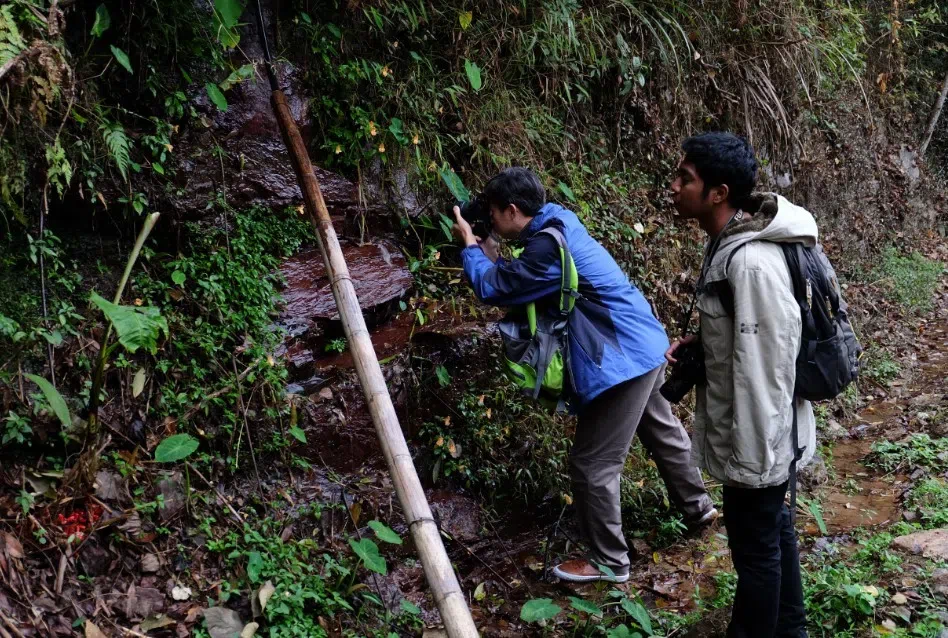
[{"x": 705, "y": 267}]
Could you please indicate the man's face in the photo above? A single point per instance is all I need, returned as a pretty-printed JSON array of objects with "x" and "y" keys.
[
  {"x": 503, "y": 221},
  {"x": 688, "y": 194}
]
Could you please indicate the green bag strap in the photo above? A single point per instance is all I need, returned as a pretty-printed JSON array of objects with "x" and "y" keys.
[{"x": 569, "y": 280}]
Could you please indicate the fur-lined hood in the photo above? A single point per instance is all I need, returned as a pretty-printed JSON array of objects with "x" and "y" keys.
[{"x": 774, "y": 219}]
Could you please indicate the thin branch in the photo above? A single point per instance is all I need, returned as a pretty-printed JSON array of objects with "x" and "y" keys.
[{"x": 933, "y": 120}]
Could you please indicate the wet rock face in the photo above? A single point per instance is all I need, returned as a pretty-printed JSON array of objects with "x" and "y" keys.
[{"x": 379, "y": 274}]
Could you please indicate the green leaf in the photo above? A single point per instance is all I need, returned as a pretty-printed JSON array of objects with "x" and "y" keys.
[
  {"x": 639, "y": 614},
  {"x": 229, "y": 11},
  {"x": 54, "y": 399},
  {"x": 136, "y": 327},
  {"x": 102, "y": 21},
  {"x": 178, "y": 277},
  {"x": 236, "y": 77},
  {"x": 585, "y": 606},
  {"x": 385, "y": 533},
  {"x": 216, "y": 96},
  {"x": 538, "y": 609},
  {"x": 464, "y": 19},
  {"x": 473, "y": 74},
  {"x": 455, "y": 185},
  {"x": 444, "y": 378},
  {"x": 175, "y": 448},
  {"x": 226, "y": 14},
  {"x": 122, "y": 58},
  {"x": 410, "y": 607},
  {"x": 605, "y": 569},
  {"x": 621, "y": 631},
  {"x": 119, "y": 145},
  {"x": 254, "y": 566},
  {"x": 298, "y": 434},
  {"x": 566, "y": 190},
  {"x": 368, "y": 552}
]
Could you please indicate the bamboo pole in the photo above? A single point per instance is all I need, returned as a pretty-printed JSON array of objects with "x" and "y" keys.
[
  {"x": 424, "y": 531},
  {"x": 933, "y": 120}
]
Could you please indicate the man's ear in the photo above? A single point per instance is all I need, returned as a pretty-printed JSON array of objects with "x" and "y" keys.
[{"x": 719, "y": 194}]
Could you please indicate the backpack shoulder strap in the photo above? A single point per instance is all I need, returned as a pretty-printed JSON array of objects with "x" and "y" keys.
[{"x": 569, "y": 281}]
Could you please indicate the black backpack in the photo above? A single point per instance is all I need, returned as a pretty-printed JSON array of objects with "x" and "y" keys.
[{"x": 828, "y": 360}]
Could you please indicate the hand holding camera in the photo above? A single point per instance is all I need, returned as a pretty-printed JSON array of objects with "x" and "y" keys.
[{"x": 687, "y": 358}]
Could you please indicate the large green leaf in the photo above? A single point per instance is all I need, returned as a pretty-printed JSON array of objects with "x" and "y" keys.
[
  {"x": 539, "y": 609},
  {"x": 216, "y": 96},
  {"x": 175, "y": 448},
  {"x": 455, "y": 185},
  {"x": 473, "y": 74},
  {"x": 585, "y": 606},
  {"x": 638, "y": 613},
  {"x": 54, "y": 399},
  {"x": 102, "y": 21},
  {"x": 122, "y": 58},
  {"x": 226, "y": 14},
  {"x": 254, "y": 566},
  {"x": 368, "y": 551},
  {"x": 136, "y": 327},
  {"x": 385, "y": 533},
  {"x": 229, "y": 11}
]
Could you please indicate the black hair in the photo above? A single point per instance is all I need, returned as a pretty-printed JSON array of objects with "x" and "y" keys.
[
  {"x": 516, "y": 185},
  {"x": 723, "y": 158}
]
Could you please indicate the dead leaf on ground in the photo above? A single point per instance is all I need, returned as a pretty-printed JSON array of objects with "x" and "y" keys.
[
  {"x": 150, "y": 564},
  {"x": 250, "y": 630},
  {"x": 223, "y": 622},
  {"x": 157, "y": 622},
  {"x": 92, "y": 631},
  {"x": 14, "y": 548}
]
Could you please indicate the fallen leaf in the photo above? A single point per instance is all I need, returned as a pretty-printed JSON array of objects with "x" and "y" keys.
[
  {"x": 899, "y": 599},
  {"x": 479, "y": 593},
  {"x": 14, "y": 548},
  {"x": 138, "y": 383},
  {"x": 150, "y": 564},
  {"x": 92, "y": 631},
  {"x": 181, "y": 593},
  {"x": 265, "y": 593},
  {"x": 222, "y": 622},
  {"x": 325, "y": 394},
  {"x": 157, "y": 622},
  {"x": 250, "y": 630}
]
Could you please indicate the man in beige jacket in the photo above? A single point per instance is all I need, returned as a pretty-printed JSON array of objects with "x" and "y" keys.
[{"x": 750, "y": 330}]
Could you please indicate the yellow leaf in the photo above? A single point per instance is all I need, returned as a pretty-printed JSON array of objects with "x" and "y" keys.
[
  {"x": 138, "y": 302},
  {"x": 338, "y": 149},
  {"x": 381, "y": 148},
  {"x": 488, "y": 412},
  {"x": 656, "y": 558},
  {"x": 567, "y": 498},
  {"x": 439, "y": 442},
  {"x": 447, "y": 420},
  {"x": 480, "y": 399},
  {"x": 415, "y": 140},
  {"x": 453, "y": 450}
]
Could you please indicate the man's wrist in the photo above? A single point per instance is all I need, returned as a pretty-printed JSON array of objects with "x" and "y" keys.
[{"x": 470, "y": 240}]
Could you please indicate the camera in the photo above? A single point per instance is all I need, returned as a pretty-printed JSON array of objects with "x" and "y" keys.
[
  {"x": 476, "y": 212},
  {"x": 686, "y": 373}
]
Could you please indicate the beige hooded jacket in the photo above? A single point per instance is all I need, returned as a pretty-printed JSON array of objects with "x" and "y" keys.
[{"x": 743, "y": 415}]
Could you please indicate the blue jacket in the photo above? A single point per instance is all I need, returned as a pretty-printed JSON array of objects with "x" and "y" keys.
[{"x": 613, "y": 334}]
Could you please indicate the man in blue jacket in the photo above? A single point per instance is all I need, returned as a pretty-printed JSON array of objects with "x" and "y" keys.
[{"x": 617, "y": 362}]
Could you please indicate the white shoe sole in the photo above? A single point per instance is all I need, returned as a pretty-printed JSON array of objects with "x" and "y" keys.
[{"x": 573, "y": 578}]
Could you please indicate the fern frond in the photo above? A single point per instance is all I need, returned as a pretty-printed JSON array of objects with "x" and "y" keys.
[
  {"x": 11, "y": 41},
  {"x": 119, "y": 145}
]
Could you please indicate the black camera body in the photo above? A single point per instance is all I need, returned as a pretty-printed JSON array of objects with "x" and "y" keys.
[
  {"x": 476, "y": 212},
  {"x": 686, "y": 373}
]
